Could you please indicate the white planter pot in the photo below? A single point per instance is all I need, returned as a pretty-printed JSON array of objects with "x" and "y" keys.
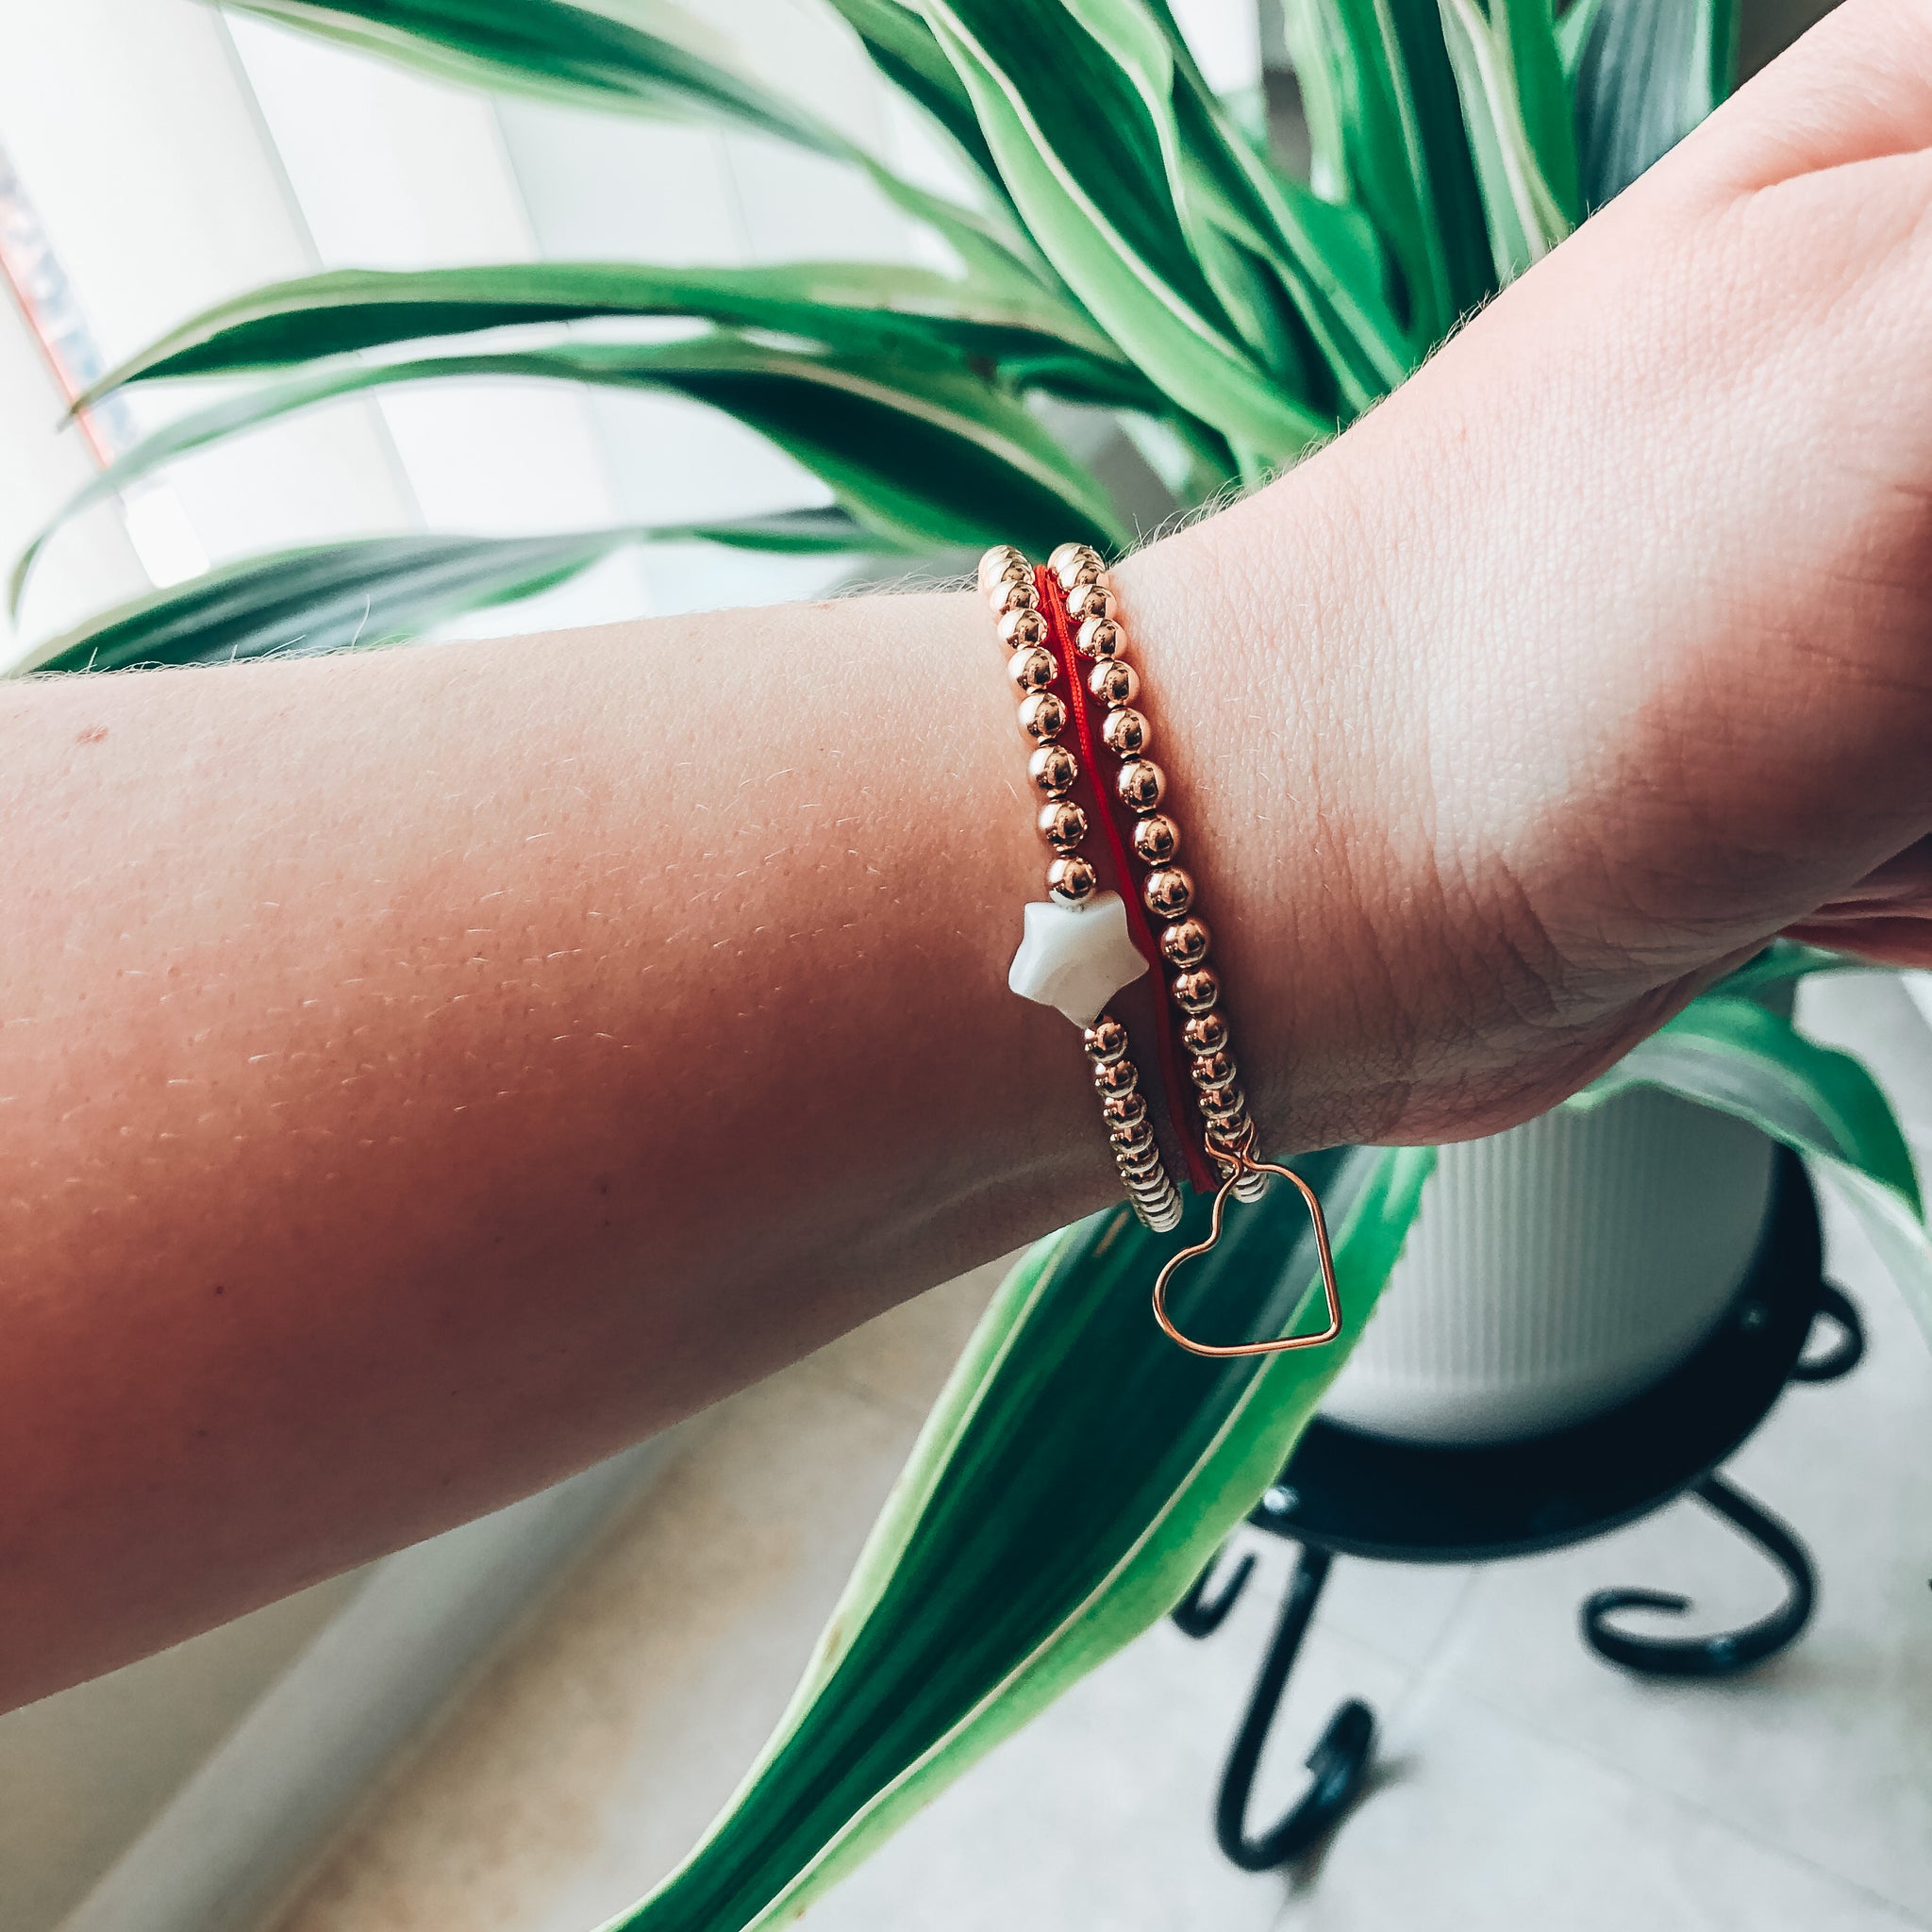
[{"x": 1557, "y": 1269}]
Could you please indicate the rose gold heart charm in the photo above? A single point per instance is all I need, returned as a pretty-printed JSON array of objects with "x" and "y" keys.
[{"x": 1245, "y": 1163}]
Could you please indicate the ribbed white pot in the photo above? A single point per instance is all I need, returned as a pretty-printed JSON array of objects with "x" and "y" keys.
[{"x": 1557, "y": 1269}]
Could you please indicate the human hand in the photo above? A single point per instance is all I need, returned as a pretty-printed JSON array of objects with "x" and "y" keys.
[{"x": 1602, "y": 652}]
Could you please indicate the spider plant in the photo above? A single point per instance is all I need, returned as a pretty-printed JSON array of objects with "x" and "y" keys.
[{"x": 1128, "y": 244}]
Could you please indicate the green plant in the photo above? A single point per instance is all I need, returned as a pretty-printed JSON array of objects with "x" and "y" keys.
[{"x": 1133, "y": 247}]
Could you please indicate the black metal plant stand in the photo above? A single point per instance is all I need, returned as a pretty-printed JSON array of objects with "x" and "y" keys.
[{"x": 1351, "y": 1494}]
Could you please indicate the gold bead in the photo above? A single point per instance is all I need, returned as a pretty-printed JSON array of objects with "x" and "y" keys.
[
  {"x": 998, "y": 562},
  {"x": 1123, "y": 1110},
  {"x": 1185, "y": 943},
  {"x": 1019, "y": 629},
  {"x": 1054, "y": 770},
  {"x": 1062, "y": 825},
  {"x": 1014, "y": 594},
  {"x": 1220, "y": 1103},
  {"x": 1142, "y": 1164},
  {"x": 1194, "y": 992},
  {"x": 1168, "y": 892},
  {"x": 1133, "y": 1138},
  {"x": 1205, "y": 1033},
  {"x": 1156, "y": 839},
  {"x": 1091, "y": 602},
  {"x": 1075, "y": 563},
  {"x": 1113, "y": 681},
  {"x": 1211, "y": 1069},
  {"x": 1041, "y": 716},
  {"x": 1099, "y": 637},
  {"x": 1032, "y": 669},
  {"x": 1116, "y": 1076},
  {"x": 1105, "y": 1040},
  {"x": 1125, "y": 732},
  {"x": 1142, "y": 784},
  {"x": 1072, "y": 881}
]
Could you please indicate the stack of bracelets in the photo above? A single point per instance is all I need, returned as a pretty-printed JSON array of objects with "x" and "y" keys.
[{"x": 1091, "y": 945}]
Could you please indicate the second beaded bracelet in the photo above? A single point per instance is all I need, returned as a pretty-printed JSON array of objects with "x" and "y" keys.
[{"x": 1062, "y": 625}]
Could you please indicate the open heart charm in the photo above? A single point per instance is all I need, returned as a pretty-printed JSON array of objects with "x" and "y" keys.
[{"x": 1245, "y": 1163}]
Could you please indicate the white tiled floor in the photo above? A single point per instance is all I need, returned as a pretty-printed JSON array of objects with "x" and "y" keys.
[{"x": 1519, "y": 1783}]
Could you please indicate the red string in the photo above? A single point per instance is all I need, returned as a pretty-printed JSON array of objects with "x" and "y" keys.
[{"x": 1149, "y": 993}]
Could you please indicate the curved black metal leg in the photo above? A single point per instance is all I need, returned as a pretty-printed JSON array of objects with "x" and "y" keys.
[
  {"x": 1338, "y": 1763},
  {"x": 1199, "y": 1614},
  {"x": 1730, "y": 1651},
  {"x": 1845, "y": 1354}
]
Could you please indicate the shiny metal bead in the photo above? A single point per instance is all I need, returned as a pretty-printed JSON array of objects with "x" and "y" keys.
[
  {"x": 1001, "y": 562},
  {"x": 1075, "y": 563},
  {"x": 1251, "y": 1187},
  {"x": 1205, "y": 1033},
  {"x": 1014, "y": 594},
  {"x": 1099, "y": 637},
  {"x": 1132, "y": 1141},
  {"x": 1072, "y": 881},
  {"x": 1032, "y": 669},
  {"x": 1041, "y": 716},
  {"x": 1021, "y": 629},
  {"x": 1156, "y": 839},
  {"x": 1105, "y": 1040},
  {"x": 1114, "y": 681},
  {"x": 1168, "y": 892},
  {"x": 1220, "y": 1103},
  {"x": 1162, "y": 1216},
  {"x": 1123, "y": 1110},
  {"x": 1141, "y": 785},
  {"x": 1125, "y": 732},
  {"x": 1185, "y": 943},
  {"x": 1092, "y": 602},
  {"x": 1116, "y": 1076},
  {"x": 1062, "y": 825},
  {"x": 1196, "y": 991},
  {"x": 1211, "y": 1069},
  {"x": 1141, "y": 1159},
  {"x": 1054, "y": 770}
]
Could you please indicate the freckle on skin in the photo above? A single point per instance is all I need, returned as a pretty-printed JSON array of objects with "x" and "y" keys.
[{"x": 93, "y": 735}]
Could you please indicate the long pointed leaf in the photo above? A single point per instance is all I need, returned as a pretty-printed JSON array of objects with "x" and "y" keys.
[
  {"x": 1093, "y": 190},
  {"x": 856, "y": 307},
  {"x": 1075, "y": 1474},
  {"x": 372, "y": 590},
  {"x": 1738, "y": 1057},
  {"x": 923, "y": 456},
  {"x": 1526, "y": 214},
  {"x": 1647, "y": 73},
  {"x": 1391, "y": 120}
]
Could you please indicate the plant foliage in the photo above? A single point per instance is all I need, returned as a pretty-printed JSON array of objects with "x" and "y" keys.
[{"x": 1123, "y": 242}]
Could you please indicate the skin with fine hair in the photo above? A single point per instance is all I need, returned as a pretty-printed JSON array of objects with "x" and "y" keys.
[{"x": 423, "y": 1072}]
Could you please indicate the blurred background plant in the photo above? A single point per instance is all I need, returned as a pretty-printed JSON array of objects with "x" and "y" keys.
[{"x": 1136, "y": 291}]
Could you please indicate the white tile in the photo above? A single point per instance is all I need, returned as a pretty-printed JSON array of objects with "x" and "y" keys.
[
  {"x": 1825, "y": 1752},
  {"x": 1099, "y": 1815},
  {"x": 1479, "y": 1823}
]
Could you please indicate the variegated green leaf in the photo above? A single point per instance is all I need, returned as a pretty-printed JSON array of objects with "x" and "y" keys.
[
  {"x": 1736, "y": 1056},
  {"x": 1093, "y": 190},
  {"x": 921, "y": 456},
  {"x": 1646, "y": 72},
  {"x": 1075, "y": 1474},
  {"x": 1510, "y": 79},
  {"x": 375, "y": 589},
  {"x": 860, "y": 308},
  {"x": 1388, "y": 121}
]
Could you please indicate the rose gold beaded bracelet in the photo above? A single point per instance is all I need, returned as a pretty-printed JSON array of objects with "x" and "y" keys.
[{"x": 1080, "y": 951}]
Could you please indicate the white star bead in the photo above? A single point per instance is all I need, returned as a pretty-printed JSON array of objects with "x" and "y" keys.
[{"x": 1075, "y": 957}]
